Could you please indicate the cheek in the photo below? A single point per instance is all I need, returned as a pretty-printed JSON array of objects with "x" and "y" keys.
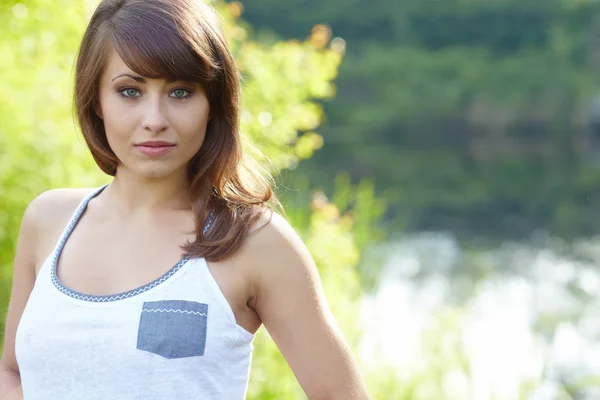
[
  {"x": 191, "y": 126},
  {"x": 117, "y": 120},
  {"x": 192, "y": 138}
]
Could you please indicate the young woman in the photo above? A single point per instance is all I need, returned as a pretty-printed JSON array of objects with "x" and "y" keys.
[{"x": 152, "y": 287}]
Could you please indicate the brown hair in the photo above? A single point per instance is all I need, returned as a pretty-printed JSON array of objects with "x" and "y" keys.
[{"x": 180, "y": 39}]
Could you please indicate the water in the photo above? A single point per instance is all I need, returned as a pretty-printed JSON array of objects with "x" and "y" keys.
[{"x": 495, "y": 320}]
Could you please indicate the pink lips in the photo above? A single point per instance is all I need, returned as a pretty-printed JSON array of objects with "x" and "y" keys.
[{"x": 154, "y": 148}]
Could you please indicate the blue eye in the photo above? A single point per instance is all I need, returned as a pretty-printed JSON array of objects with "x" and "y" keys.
[
  {"x": 129, "y": 92},
  {"x": 181, "y": 93}
]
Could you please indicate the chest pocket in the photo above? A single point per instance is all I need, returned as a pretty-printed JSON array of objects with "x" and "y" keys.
[{"x": 173, "y": 328}]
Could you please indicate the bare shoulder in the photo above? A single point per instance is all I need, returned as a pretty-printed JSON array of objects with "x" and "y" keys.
[
  {"x": 57, "y": 200},
  {"x": 55, "y": 205},
  {"x": 48, "y": 214},
  {"x": 276, "y": 255},
  {"x": 273, "y": 236}
]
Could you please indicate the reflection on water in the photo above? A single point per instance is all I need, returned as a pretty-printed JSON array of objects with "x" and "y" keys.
[{"x": 514, "y": 322}]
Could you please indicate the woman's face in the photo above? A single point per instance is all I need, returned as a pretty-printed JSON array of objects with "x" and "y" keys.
[{"x": 153, "y": 126}]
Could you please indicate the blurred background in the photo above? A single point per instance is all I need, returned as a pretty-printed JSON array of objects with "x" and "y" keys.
[{"x": 441, "y": 159}]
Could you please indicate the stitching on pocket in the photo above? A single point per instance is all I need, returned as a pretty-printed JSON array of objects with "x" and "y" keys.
[{"x": 175, "y": 311}]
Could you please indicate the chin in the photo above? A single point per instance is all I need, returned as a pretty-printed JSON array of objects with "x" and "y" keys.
[
  {"x": 153, "y": 171},
  {"x": 156, "y": 173}
]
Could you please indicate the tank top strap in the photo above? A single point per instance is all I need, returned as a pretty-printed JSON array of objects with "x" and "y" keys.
[
  {"x": 79, "y": 211},
  {"x": 76, "y": 215},
  {"x": 210, "y": 219}
]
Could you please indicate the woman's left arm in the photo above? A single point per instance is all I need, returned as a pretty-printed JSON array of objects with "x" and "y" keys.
[{"x": 291, "y": 304}]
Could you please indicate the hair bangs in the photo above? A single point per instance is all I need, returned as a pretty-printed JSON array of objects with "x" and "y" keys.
[{"x": 154, "y": 47}]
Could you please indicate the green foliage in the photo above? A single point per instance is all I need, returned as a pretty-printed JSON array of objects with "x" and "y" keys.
[
  {"x": 281, "y": 82},
  {"x": 367, "y": 211}
]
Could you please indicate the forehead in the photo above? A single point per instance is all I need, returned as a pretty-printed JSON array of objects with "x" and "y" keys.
[{"x": 115, "y": 64}]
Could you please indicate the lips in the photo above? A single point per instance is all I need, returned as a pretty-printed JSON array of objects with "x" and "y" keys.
[
  {"x": 154, "y": 148},
  {"x": 156, "y": 143}
]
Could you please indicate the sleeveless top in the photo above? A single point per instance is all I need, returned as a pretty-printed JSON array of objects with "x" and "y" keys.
[{"x": 173, "y": 338}]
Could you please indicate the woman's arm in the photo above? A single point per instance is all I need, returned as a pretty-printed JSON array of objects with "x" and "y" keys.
[
  {"x": 291, "y": 304},
  {"x": 16, "y": 393},
  {"x": 22, "y": 284}
]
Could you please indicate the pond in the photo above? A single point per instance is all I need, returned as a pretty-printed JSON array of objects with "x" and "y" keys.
[{"x": 514, "y": 321}]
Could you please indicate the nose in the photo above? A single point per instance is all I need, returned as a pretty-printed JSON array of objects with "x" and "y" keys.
[{"x": 155, "y": 117}]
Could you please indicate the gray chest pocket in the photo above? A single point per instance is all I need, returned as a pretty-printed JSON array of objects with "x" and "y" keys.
[{"x": 173, "y": 328}]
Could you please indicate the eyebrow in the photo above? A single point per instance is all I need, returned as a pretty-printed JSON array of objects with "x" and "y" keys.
[{"x": 139, "y": 79}]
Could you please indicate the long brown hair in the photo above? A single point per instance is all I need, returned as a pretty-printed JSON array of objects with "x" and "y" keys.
[{"x": 180, "y": 39}]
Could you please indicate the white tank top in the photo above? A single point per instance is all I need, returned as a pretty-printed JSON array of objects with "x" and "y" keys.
[{"x": 174, "y": 338}]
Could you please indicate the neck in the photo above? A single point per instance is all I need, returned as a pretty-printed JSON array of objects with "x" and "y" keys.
[{"x": 133, "y": 194}]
